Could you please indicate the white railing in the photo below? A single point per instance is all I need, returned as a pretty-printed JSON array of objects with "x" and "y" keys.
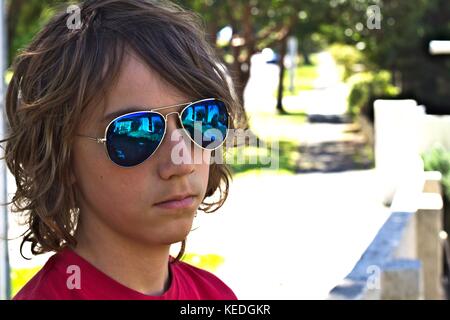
[{"x": 405, "y": 259}]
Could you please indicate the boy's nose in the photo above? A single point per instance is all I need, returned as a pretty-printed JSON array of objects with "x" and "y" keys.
[{"x": 176, "y": 151}]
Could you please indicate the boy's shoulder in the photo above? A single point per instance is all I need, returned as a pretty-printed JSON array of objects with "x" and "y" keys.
[
  {"x": 45, "y": 284},
  {"x": 204, "y": 282}
]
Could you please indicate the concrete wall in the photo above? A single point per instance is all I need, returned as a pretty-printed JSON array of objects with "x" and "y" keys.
[
  {"x": 402, "y": 132},
  {"x": 404, "y": 261},
  {"x": 398, "y": 131}
]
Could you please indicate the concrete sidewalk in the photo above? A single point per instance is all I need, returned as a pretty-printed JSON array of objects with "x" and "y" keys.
[{"x": 291, "y": 237}]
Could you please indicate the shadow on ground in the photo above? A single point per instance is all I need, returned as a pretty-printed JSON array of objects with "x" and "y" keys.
[
  {"x": 331, "y": 119},
  {"x": 335, "y": 156}
]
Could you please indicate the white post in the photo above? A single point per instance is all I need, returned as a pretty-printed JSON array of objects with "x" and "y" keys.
[
  {"x": 438, "y": 47},
  {"x": 4, "y": 259},
  {"x": 398, "y": 129},
  {"x": 292, "y": 54}
]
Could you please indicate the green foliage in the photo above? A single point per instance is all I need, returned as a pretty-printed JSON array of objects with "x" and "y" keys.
[
  {"x": 26, "y": 19},
  {"x": 400, "y": 44},
  {"x": 368, "y": 85},
  {"x": 438, "y": 159},
  {"x": 349, "y": 58}
]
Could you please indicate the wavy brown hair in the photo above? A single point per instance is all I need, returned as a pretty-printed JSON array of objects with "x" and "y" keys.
[{"x": 63, "y": 71}]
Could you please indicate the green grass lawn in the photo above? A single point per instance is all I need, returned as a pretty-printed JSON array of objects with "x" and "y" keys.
[
  {"x": 277, "y": 141},
  {"x": 304, "y": 78},
  {"x": 286, "y": 154}
]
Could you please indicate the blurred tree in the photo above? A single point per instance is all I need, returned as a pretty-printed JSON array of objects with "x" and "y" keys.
[
  {"x": 312, "y": 15},
  {"x": 25, "y": 19},
  {"x": 255, "y": 25},
  {"x": 400, "y": 44}
]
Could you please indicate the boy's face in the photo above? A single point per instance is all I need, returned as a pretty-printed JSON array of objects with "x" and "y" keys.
[{"x": 124, "y": 201}]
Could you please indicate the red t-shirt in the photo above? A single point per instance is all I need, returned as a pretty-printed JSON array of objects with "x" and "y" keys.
[{"x": 51, "y": 283}]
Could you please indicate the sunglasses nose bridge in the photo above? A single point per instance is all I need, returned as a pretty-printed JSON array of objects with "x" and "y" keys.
[
  {"x": 170, "y": 129},
  {"x": 173, "y": 112},
  {"x": 166, "y": 117}
]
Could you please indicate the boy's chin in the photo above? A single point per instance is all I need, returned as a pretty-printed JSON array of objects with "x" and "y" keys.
[{"x": 178, "y": 234}]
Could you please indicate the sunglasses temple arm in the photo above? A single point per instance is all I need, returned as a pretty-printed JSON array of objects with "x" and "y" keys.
[{"x": 98, "y": 140}]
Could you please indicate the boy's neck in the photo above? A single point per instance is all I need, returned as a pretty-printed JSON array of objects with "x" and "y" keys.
[{"x": 142, "y": 268}]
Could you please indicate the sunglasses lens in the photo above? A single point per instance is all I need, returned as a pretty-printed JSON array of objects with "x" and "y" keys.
[
  {"x": 132, "y": 139},
  {"x": 206, "y": 122}
]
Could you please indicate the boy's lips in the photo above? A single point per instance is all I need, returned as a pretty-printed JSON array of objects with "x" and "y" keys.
[{"x": 177, "y": 202}]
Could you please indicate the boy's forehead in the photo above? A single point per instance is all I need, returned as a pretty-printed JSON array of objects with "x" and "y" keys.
[
  {"x": 136, "y": 80},
  {"x": 138, "y": 87}
]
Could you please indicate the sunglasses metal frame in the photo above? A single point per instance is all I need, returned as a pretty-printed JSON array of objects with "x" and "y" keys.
[{"x": 155, "y": 110}]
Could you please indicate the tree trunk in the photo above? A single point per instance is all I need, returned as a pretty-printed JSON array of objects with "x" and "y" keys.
[
  {"x": 305, "y": 50},
  {"x": 249, "y": 47},
  {"x": 283, "y": 49},
  {"x": 240, "y": 72},
  {"x": 236, "y": 73},
  {"x": 13, "y": 11}
]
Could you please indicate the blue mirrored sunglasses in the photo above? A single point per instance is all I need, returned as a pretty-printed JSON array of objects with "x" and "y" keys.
[{"x": 132, "y": 138}]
